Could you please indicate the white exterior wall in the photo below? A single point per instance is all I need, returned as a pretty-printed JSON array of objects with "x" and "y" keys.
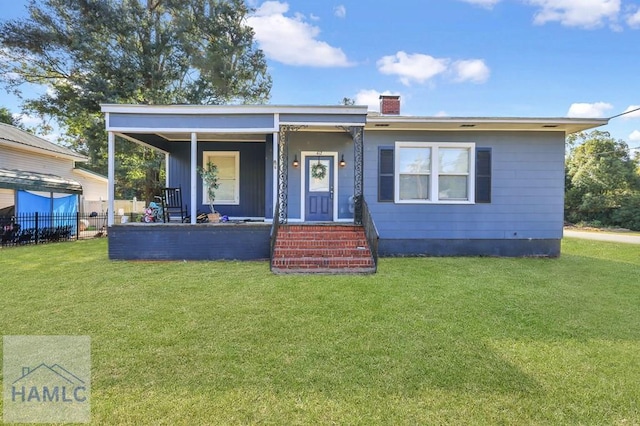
[
  {"x": 11, "y": 158},
  {"x": 7, "y": 198}
]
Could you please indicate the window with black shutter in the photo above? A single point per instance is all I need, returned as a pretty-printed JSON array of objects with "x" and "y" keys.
[
  {"x": 385, "y": 174},
  {"x": 483, "y": 175}
]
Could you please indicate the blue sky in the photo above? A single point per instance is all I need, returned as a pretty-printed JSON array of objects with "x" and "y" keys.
[{"x": 481, "y": 58}]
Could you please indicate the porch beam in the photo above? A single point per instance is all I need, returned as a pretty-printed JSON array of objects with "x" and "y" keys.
[
  {"x": 193, "y": 178},
  {"x": 111, "y": 177}
]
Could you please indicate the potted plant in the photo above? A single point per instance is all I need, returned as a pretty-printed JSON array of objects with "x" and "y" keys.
[{"x": 209, "y": 175}]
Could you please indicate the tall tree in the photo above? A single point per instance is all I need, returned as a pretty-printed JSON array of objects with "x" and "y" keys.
[
  {"x": 8, "y": 118},
  {"x": 88, "y": 52},
  {"x": 601, "y": 177}
]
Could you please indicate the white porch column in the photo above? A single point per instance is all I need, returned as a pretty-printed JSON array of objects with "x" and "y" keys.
[
  {"x": 194, "y": 181},
  {"x": 275, "y": 172},
  {"x": 111, "y": 176}
]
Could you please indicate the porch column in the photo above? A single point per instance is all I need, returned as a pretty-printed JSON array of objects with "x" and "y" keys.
[
  {"x": 283, "y": 173},
  {"x": 358, "y": 173},
  {"x": 193, "y": 177},
  {"x": 111, "y": 177}
]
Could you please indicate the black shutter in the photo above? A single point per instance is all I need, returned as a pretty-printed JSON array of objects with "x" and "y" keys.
[
  {"x": 385, "y": 174},
  {"x": 483, "y": 175}
]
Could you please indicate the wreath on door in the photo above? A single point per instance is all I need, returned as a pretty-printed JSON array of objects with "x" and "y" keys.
[{"x": 318, "y": 171}]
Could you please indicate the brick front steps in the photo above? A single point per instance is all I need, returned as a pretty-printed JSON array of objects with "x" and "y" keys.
[{"x": 329, "y": 249}]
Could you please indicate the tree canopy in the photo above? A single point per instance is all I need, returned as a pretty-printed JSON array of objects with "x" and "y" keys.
[
  {"x": 602, "y": 181},
  {"x": 8, "y": 118},
  {"x": 88, "y": 52}
]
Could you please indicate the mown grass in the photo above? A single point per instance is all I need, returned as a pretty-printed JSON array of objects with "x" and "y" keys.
[{"x": 424, "y": 341}]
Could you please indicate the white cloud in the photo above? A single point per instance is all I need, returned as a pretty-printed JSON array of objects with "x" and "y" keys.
[
  {"x": 29, "y": 120},
  {"x": 412, "y": 67},
  {"x": 634, "y": 114},
  {"x": 473, "y": 70},
  {"x": 292, "y": 40},
  {"x": 371, "y": 98},
  {"x": 419, "y": 68},
  {"x": 576, "y": 13},
  {"x": 442, "y": 114},
  {"x": 586, "y": 110},
  {"x": 633, "y": 19},
  {"x": 635, "y": 136},
  {"x": 340, "y": 11},
  {"x": 483, "y": 3}
]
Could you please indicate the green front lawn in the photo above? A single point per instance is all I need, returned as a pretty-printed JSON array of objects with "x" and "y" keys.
[{"x": 424, "y": 341}]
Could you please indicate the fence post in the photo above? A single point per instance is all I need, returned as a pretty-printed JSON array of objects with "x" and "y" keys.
[
  {"x": 77, "y": 225},
  {"x": 37, "y": 229}
]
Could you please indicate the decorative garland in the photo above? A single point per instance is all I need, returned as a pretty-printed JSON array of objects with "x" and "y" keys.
[{"x": 318, "y": 171}]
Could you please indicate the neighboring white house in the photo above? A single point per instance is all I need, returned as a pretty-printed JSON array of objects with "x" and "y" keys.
[{"x": 32, "y": 167}]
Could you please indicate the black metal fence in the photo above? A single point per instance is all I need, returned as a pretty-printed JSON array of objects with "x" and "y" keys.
[{"x": 39, "y": 228}]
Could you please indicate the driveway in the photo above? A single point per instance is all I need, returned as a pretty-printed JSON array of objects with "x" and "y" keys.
[{"x": 603, "y": 236}]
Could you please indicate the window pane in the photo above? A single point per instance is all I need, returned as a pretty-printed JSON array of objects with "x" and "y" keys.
[
  {"x": 226, "y": 190},
  {"x": 414, "y": 187},
  {"x": 319, "y": 185},
  {"x": 226, "y": 166},
  {"x": 414, "y": 160},
  {"x": 453, "y": 160},
  {"x": 452, "y": 188}
]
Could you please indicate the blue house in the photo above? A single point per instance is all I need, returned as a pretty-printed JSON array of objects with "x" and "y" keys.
[{"x": 324, "y": 188}]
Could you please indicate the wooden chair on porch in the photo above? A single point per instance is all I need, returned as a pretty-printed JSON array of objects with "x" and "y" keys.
[{"x": 172, "y": 207}]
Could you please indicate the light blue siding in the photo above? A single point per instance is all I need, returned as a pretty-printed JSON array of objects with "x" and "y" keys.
[
  {"x": 340, "y": 142},
  {"x": 527, "y": 190},
  {"x": 191, "y": 122}
]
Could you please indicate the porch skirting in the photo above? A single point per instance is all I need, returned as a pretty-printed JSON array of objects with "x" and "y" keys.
[
  {"x": 469, "y": 247},
  {"x": 249, "y": 241}
]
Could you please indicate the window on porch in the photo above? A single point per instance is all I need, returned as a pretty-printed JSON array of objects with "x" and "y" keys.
[{"x": 228, "y": 163}]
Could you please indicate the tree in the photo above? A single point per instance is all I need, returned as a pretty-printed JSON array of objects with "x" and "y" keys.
[
  {"x": 88, "y": 52},
  {"x": 8, "y": 118},
  {"x": 601, "y": 176}
]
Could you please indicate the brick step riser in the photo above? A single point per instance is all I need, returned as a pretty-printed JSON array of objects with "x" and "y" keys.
[
  {"x": 295, "y": 253},
  {"x": 354, "y": 244},
  {"x": 321, "y": 263},
  {"x": 321, "y": 236}
]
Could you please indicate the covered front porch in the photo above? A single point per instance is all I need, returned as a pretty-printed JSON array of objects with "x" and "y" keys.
[{"x": 277, "y": 165}]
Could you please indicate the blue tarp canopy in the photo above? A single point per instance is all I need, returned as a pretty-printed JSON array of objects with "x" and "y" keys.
[{"x": 31, "y": 203}]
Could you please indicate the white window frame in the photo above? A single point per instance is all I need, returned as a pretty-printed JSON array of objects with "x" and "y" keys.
[
  {"x": 435, "y": 172},
  {"x": 206, "y": 155}
]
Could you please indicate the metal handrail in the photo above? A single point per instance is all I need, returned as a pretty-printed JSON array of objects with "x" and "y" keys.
[
  {"x": 370, "y": 230},
  {"x": 275, "y": 226}
]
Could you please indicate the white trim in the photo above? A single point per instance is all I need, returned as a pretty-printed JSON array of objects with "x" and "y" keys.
[
  {"x": 303, "y": 179},
  {"x": 434, "y": 173},
  {"x": 274, "y": 170},
  {"x": 193, "y": 178},
  {"x": 166, "y": 168},
  {"x": 234, "y": 109},
  {"x": 236, "y": 156},
  {"x": 111, "y": 177}
]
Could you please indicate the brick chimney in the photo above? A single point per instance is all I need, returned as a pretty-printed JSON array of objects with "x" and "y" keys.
[{"x": 389, "y": 105}]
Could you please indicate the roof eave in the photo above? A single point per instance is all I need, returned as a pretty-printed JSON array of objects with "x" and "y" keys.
[{"x": 567, "y": 125}]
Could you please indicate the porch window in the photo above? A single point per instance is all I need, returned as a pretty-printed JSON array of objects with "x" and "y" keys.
[
  {"x": 228, "y": 163},
  {"x": 434, "y": 172}
]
